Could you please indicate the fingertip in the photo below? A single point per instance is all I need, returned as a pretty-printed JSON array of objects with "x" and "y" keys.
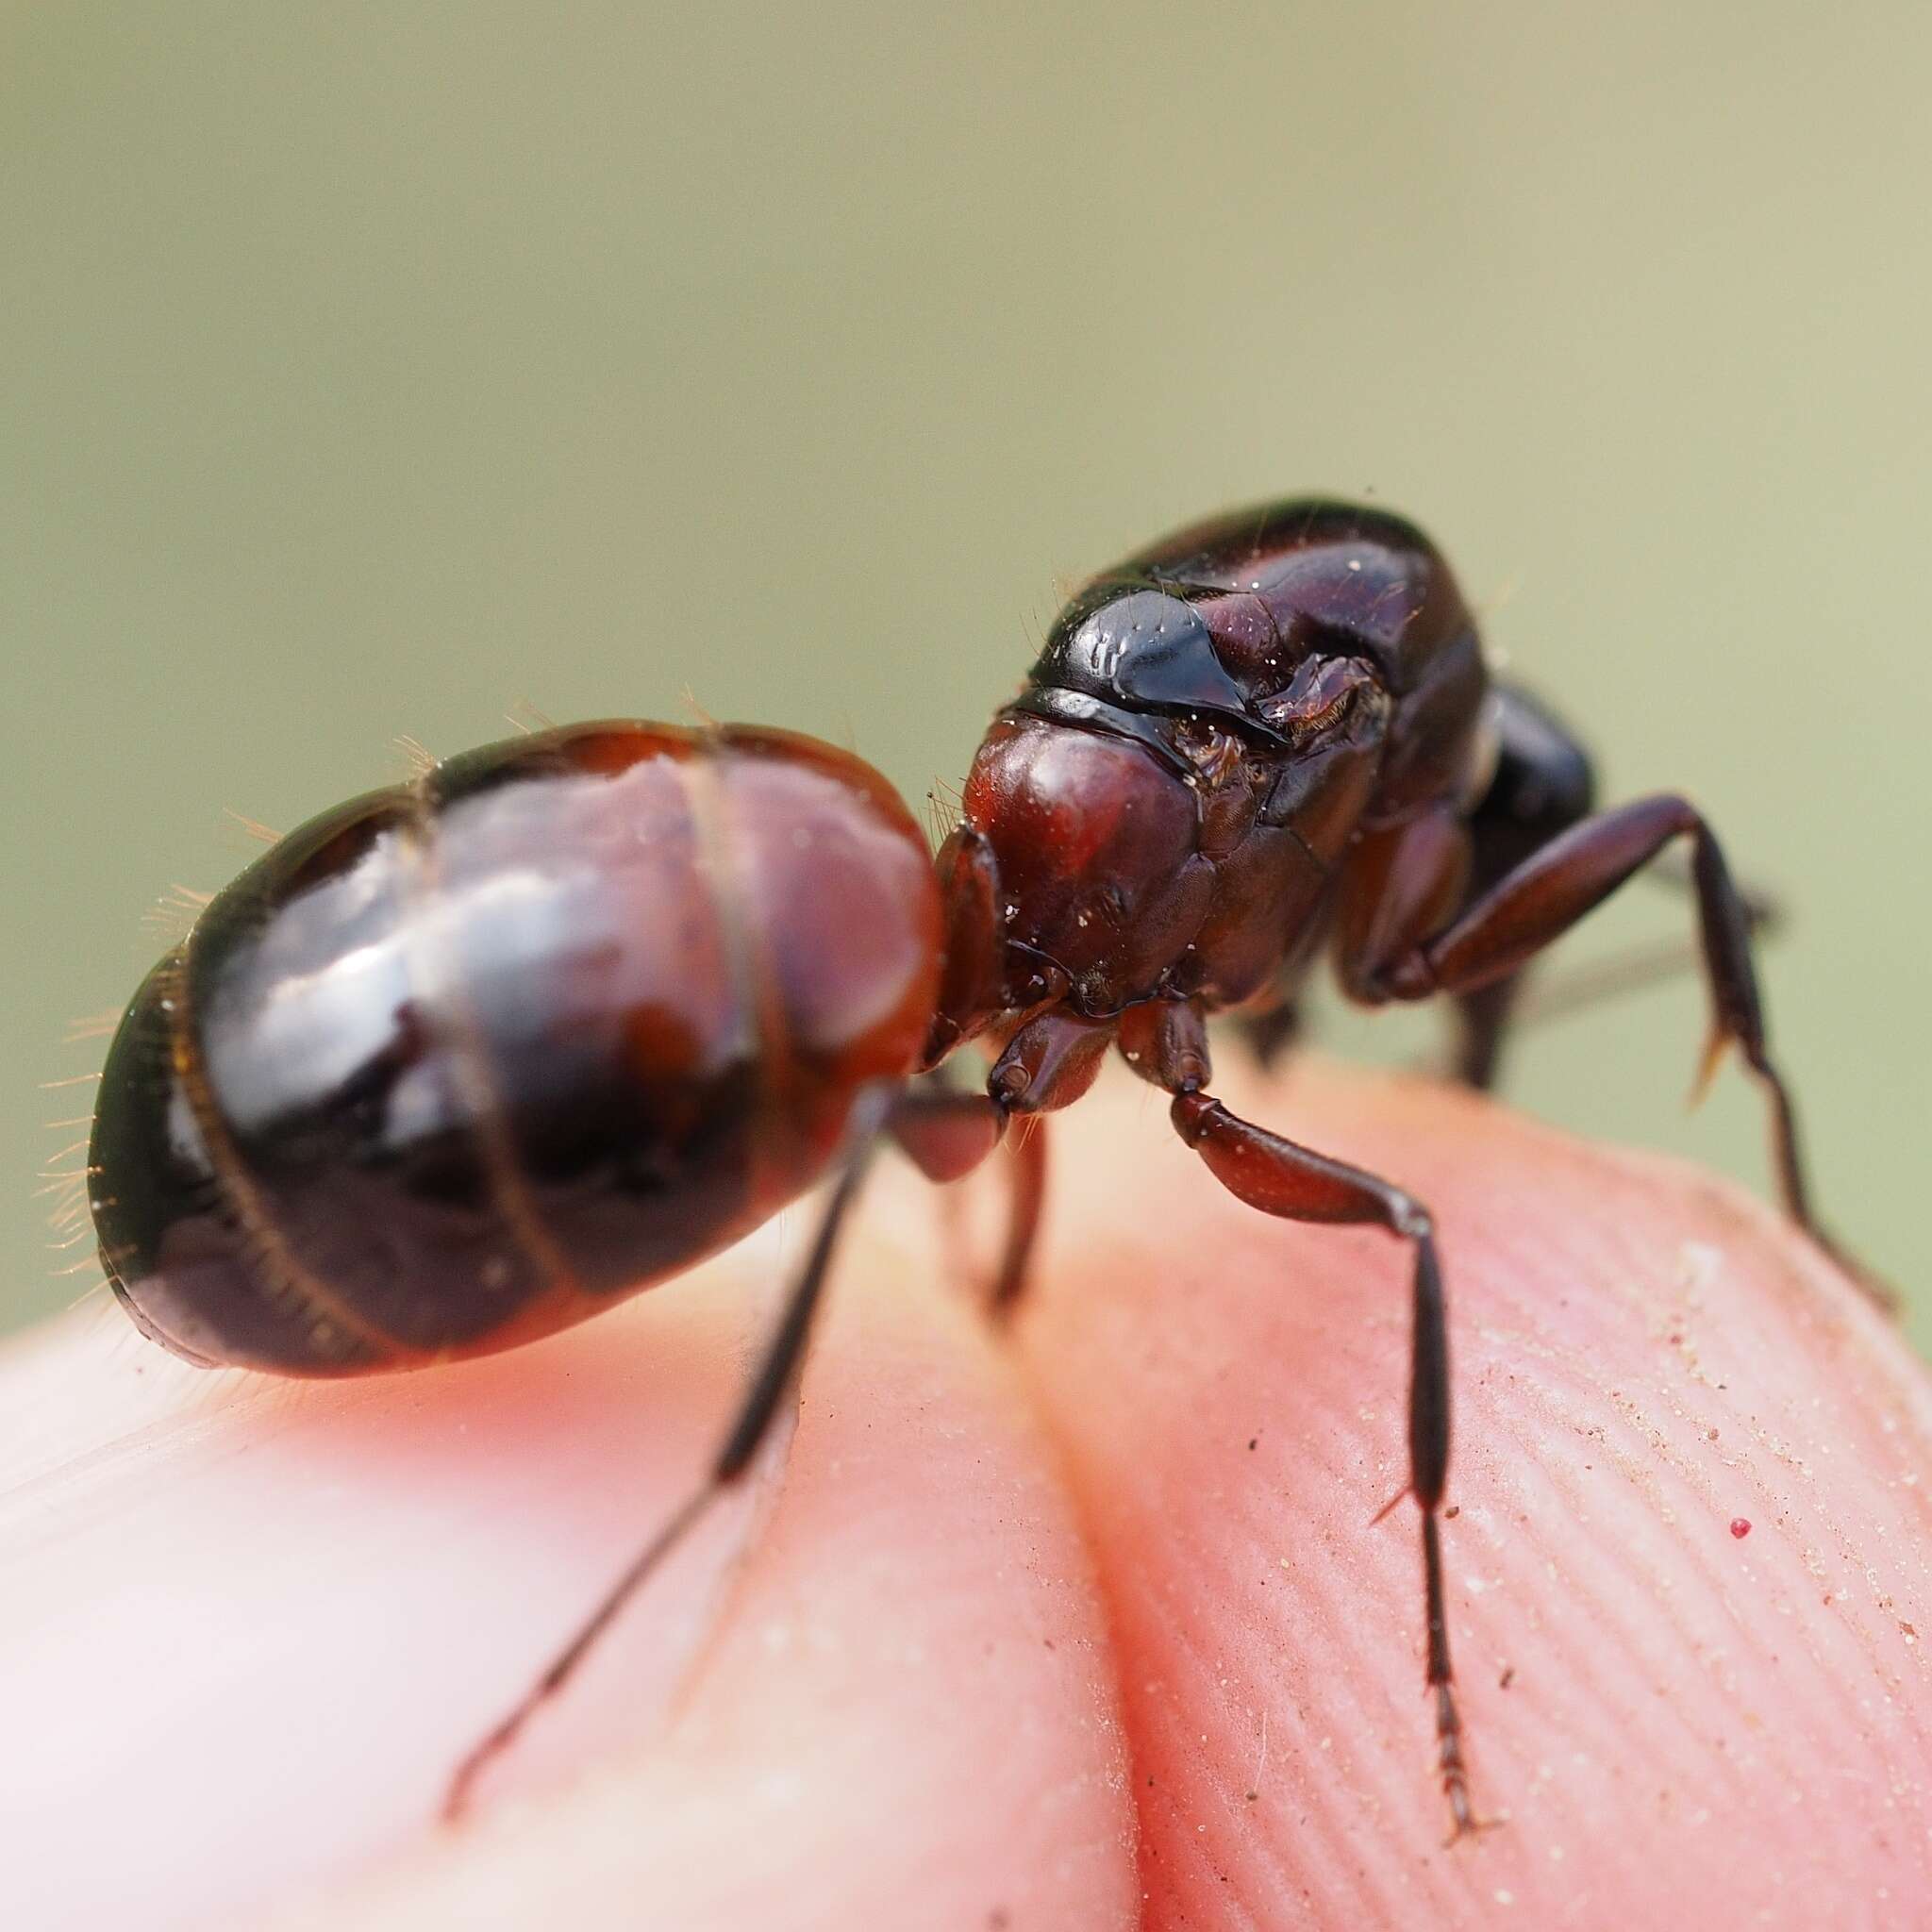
[
  {"x": 275, "y": 1615},
  {"x": 1640, "y": 1356},
  {"x": 906, "y": 1713}
]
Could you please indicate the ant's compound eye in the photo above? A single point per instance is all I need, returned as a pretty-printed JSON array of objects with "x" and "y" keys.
[{"x": 1323, "y": 694}]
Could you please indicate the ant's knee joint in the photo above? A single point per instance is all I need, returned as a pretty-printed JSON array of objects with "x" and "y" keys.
[{"x": 1412, "y": 1221}]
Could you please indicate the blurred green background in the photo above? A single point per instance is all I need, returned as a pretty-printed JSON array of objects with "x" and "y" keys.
[{"x": 368, "y": 368}]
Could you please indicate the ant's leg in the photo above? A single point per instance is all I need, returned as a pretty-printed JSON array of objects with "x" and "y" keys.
[
  {"x": 1027, "y": 1153},
  {"x": 1529, "y": 999},
  {"x": 1271, "y": 1033},
  {"x": 774, "y": 1374},
  {"x": 1565, "y": 990},
  {"x": 947, "y": 1134},
  {"x": 1502, "y": 928},
  {"x": 1484, "y": 1021},
  {"x": 1279, "y": 1177},
  {"x": 1554, "y": 887},
  {"x": 944, "y": 1131},
  {"x": 1542, "y": 785},
  {"x": 1557, "y": 995},
  {"x": 1053, "y": 1060},
  {"x": 1167, "y": 1042}
]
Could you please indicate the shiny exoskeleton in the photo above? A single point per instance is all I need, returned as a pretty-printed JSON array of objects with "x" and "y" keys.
[
  {"x": 462, "y": 1061},
  {"x": 465, "y": 1060}
]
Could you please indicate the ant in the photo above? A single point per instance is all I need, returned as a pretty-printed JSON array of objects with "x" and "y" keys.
[{"x": 465, "y": 1060}]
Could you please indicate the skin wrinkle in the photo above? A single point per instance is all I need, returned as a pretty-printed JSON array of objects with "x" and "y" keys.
[
  {"x": 906, "y": 1366},
  {"x": 1337, "y": 1780},
  {"x": 1593, "y": 1591},
  {"x": 1191, "y": 1560},
  {"x": 849, "y": 1550}
]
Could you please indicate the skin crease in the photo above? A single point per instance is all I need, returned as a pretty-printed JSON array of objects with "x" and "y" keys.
[{"x": 1092, "y": 1632}]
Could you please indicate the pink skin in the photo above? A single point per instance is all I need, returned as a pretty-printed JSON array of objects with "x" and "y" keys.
[{"x": 1030, "y": 1638}]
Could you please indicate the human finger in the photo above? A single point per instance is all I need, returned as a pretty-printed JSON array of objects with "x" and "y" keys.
[{"x": 1688, "y": 1559}]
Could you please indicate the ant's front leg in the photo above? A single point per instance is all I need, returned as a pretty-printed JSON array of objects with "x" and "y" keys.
[
  {"x": 1048, "y": 1063},
  {"x": 1167, "y": 1043},
  {"x": 946, "y": 1132}
]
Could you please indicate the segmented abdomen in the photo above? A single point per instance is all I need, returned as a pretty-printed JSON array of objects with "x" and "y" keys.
[{"x": 457, "y": 1063}]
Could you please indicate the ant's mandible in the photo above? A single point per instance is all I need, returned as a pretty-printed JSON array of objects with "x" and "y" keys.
[{"x": 466, "y": 1060}]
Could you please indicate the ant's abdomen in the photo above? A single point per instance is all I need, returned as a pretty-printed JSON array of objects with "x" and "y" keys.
[{"x": 459, "y": 1062}]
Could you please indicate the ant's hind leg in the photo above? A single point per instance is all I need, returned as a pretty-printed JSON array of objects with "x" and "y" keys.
[
  {"x": 1542, "y": 785},
  {"x": 1495, "y": 935},
  {"x": 774, "y": 1374}
]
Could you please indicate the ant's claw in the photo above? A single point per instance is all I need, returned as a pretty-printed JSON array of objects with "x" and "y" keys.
[{"x": 1465, "y": 1823}]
